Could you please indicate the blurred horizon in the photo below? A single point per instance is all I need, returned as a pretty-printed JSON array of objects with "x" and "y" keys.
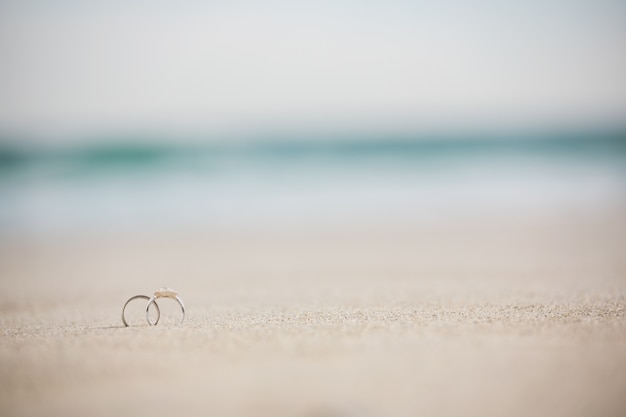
[
  {"x": 143, "y": 116},
  {"x": 277, "y": 185}
]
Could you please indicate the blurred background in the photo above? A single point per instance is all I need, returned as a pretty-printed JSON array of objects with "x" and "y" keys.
[
  {"x": 130, "y": 116},
  {"x": 369, "y": 208}
]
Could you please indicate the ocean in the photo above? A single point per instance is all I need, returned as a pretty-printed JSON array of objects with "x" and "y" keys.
[{"x": 136, "y": 184}]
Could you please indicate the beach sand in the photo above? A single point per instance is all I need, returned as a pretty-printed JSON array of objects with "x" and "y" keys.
[{"x": 473, "y": 317}]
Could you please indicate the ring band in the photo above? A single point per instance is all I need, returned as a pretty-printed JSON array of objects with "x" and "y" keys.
[
  {"x": 164, "y": 293},
  {"x": 145, "y": 297}
]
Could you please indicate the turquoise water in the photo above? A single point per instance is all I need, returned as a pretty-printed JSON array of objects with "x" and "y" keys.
[{"x": 138, "y": 184}]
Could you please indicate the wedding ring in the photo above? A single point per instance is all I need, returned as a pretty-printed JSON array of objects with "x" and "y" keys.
[
  {"x": 145, "y": 297},
  {"x": 164, "y": 292}
]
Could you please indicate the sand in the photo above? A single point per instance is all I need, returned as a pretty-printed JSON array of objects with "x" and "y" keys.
[{"x": 472, "y": 317}]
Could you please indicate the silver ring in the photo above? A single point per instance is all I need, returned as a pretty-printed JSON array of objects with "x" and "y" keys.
[
  {"x": 145, "y": 297},
  {"x": 164, "y": 293}
]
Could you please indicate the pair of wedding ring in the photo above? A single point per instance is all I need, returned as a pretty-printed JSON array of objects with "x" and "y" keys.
[{"x": 162, "y": 292}]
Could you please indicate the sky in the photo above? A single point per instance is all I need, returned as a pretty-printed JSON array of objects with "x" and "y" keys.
[{"x": 81, "y": 69}]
